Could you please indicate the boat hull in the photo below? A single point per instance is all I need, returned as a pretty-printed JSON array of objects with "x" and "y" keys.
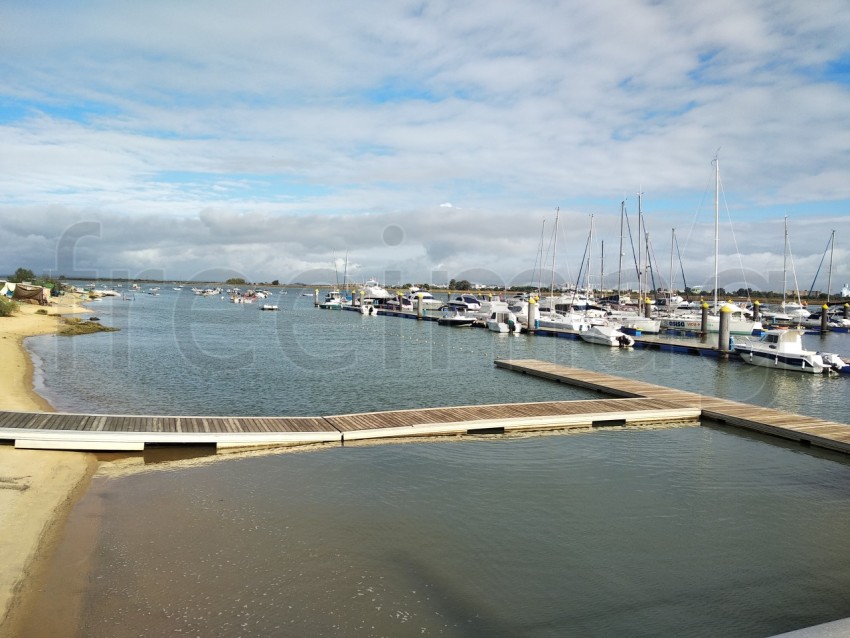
[
  {"x": 456, "y": 322},
  {"x": 812, "y": 364},
  {"x": 607, "y": 337},
  {"x": 694, "y": 324}
]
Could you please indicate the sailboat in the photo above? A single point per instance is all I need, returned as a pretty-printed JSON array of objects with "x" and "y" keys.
[
  {"x": 740, "y": 323},
  {"x": 550, "y": 316},
  {"x": 835, "y": 321},
  {"x": 788, "y": 312},
  {"x": 636, "y": 322}
]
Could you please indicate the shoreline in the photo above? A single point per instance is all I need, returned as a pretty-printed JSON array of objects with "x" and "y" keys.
[
  {"x": 37, "y": 488},
  {"x": 16, "y": 366}
]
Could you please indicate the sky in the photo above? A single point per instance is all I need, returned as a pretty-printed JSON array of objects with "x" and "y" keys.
[{"x": 422, "y": 141}]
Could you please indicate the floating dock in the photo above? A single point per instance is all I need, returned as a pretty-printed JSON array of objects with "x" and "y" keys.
[
  {"x": 627, "y": 402},
  {"x": 39, "y": 430},
  {"x": 803, "y": 429}
]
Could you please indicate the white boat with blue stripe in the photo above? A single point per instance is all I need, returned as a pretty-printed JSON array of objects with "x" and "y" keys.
[{"x": 783, "y": 350}]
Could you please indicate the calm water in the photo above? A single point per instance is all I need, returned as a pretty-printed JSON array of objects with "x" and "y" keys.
[
  {"x": 182, "y": 354},
  {"x": 694, "y": 531},
  {"x": 681, "y": 532}
]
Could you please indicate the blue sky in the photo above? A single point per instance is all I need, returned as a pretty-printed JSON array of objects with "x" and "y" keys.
[{"x": 270, "y": 138}]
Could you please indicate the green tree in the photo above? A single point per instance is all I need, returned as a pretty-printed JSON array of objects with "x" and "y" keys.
[
  {"x": 235, "y": 281},
  {"x": 22, "y": 274}
]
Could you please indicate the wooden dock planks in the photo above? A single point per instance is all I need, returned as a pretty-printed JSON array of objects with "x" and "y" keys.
[
  {"x": 633, "y": 401},
  {"x": 810, "y": 430},
  {"x": 84, "y": 431}
]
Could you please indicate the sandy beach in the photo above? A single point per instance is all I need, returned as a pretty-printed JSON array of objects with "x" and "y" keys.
[{"x": 37, "y": 488}]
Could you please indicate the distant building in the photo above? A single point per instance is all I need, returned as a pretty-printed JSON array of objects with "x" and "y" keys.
[{"x": 845, "y": 292}]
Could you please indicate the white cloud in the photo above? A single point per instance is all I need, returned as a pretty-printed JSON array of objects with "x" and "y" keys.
[{"x": 218, "y": 131}]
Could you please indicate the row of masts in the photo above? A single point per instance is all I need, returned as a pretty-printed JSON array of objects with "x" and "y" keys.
[{"x": 644, "y": 261}]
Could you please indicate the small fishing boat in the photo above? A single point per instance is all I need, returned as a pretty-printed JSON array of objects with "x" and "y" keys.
[
  {"x": 455, "y": 318},
  {"x": 269, "y": 306},
  {"x": 783, "y": 350},
  {"x": 607, "y": 336},
  {"x": 332, "y": 301},
  {"x": 503, "y": 321}
]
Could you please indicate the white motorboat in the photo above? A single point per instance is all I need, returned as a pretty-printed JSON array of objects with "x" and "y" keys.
[
  {"x": 456, "y": 318},
  {"x": 429, "y": 301},
  {"x": 634, "y": 321},
  {"x": 332, "y": 301},
  {"x": 739, "y": 322},
  {"x": 566, "y": 302},
  {"x": 607, "y": 336},
  {"x": 833, "y": 321},
  {"x": 570, "y": 321},
  {"x": 269, "y": 306},
  {"x": 488, "y": 307},
  {"x": 503, "y": 321},
  {"x": 373, "y": 290},
  {"x": 783, "y": 350},
  {"x": 466, "y": 302}
]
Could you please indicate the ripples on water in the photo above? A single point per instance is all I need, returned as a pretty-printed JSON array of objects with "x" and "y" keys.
[{"x": 679, "y": 532}]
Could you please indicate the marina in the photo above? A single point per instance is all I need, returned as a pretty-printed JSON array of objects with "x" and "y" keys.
[
  {"x": 683, "y": 337},
  {"x": 305, "y": 534}
]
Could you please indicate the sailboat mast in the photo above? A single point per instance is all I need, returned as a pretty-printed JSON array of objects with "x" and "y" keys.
[
  {"x": 602, "y": 269},
  {"x": 716, "y": 224},
  {"x": 829, "y": 277},
  {"x": 785, "y": 264},
  {"x": 640, "y": 253},
  {"x": 539, "y": 260},
  {"x": 672, "y": 246},
  {"x": 554, "y": 247},
  {"x": 345, "y": 274},
  {"x": 620, "y": 264},
  {"x": 587, "y": 284}
]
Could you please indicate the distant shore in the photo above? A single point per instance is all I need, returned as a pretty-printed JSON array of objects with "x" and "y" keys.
[{"x": 37, "y": 488}]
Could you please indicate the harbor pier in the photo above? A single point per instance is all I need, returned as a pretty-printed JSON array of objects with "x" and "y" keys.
[
  {"x": 803, "y": 429},
  {"x": 626, "y": 402}
]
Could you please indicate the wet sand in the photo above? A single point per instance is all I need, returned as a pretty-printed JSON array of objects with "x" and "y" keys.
[{"x": 37, "y": 488}]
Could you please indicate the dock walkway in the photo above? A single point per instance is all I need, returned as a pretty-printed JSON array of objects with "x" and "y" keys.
[
  {"x": 804, "y": 429},
  {"x": 628, "y": 402},
  {"x": 38, "y": 430}
]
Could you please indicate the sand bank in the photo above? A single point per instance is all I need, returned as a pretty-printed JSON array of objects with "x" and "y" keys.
[
  {"x": 37, "y": 488},
  {"x": 16, "y": 372}
]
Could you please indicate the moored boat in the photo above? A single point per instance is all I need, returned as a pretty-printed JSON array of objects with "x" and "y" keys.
[
  {"x": 455, "y": 318},
  {"x": 607, "y": 336},
  {"x": 503, "y": 321},
  {"x": 739, "y": 322},
  {"x": 332, "y": 301},
  {"x": 373, "y": 290},
  {"x": 783, "y": 350}
]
